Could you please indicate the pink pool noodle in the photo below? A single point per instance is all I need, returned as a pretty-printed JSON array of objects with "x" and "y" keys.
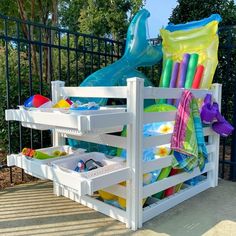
[
  {"x": 174, "y": 77},
  {"x": 198, "y": 77}
]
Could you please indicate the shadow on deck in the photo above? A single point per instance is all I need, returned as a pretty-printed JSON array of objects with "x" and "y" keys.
[{"x": 32, "y": 209}]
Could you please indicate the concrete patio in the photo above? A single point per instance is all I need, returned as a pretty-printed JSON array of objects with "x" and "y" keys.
[{"x": 32, "y": 209}]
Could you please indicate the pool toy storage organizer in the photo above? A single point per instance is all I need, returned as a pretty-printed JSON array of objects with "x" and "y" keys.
[{"x": 95, "y": 128}]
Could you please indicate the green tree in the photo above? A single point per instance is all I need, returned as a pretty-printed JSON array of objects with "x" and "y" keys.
[
  {"x": 109, "y": 18},
  {"x": 45, "y": 12},
  {"x": 195, "y": 10}
]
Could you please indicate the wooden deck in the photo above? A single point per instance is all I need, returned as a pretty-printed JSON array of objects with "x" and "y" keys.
[{"x": 32, "y": 209}]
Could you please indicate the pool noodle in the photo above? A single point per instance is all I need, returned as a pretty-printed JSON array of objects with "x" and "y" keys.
[
  {"x": 169, "y": 191},
  {"x": 174, "y": 77},
  {"x": 198, "y": 77},
  {"x": 42, "y": 156},
  {"x": 164, "y": 173},
  {"x": 192, "y": 65},
  {"x": 166, "y": 76},
  {"x": 179, "y": 186},
  {"x": 183, "y": 70},
  {"x": 182, "y": 73}
]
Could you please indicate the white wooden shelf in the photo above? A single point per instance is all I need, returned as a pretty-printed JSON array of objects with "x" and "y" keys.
[
  {"x": 94, "y": 127},
  {"x": 81, "y": 183},
  {"x": 77, "y": 123}
]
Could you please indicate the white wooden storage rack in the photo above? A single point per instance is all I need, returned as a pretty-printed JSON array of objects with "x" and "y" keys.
[{"x": 95, "y": 128}]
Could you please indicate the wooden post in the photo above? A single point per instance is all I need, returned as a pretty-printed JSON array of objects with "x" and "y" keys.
[
  {"x": 58, "y": 140},
  {"x": 135, "y": 153},
  {"x": 215, "y": 139}
]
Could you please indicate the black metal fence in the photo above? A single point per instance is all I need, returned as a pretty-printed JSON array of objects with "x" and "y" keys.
[
  {"x": 32, "y": 55},
  {"x": 226, "y": 75}
]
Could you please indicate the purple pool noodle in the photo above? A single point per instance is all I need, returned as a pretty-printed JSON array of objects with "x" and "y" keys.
[
  {"x": 182, "y": 73},
  {"x": 208, "y": 111},
  {"x": 174, "y": 77}
]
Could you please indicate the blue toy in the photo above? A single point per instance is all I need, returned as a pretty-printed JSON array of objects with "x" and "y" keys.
[
  {"x": 193, "y": 24},
  {"x": 138, "y": 52},
  {"x": 77, "y": 106},
  {"x": 80, "y": 166}
]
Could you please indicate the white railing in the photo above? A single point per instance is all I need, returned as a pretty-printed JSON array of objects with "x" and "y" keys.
[{"x": 134, "y": 192}]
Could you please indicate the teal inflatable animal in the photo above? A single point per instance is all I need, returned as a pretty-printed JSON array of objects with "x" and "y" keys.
[{"x": 138, "y": 52}]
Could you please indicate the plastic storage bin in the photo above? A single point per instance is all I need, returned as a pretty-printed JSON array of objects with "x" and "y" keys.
[
  {"x": 90, "y": 181},
  {"x": 40, "y": 168},
  {"x": 69, "y": 150}
]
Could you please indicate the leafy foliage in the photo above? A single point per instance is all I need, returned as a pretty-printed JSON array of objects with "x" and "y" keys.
[
  {"x": 16, "y": 97},
  {"x": 99, "y": 18},
  {"x": 195, "y": 10}
]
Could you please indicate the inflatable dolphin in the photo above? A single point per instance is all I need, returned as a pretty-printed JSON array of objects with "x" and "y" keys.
[{"x": 138, "y": 52}]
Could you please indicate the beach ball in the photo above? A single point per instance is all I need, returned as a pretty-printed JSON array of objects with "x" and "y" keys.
[{"x": 36, "y": 100}]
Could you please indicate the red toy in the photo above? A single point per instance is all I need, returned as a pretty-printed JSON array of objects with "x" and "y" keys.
[{"x": 36, "y": 100}]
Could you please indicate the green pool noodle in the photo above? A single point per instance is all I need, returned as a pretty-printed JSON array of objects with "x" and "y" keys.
[
  {"x": 42, "y": 156},
  {"x": 166, "y": 77},
  {"x": 192, "y": 66},
  {"x": 164, "y": 173},
  {"x": 178, "y": 187}
]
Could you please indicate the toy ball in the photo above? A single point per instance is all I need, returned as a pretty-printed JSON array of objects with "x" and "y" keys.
[
  {"x": 107, "y": 196},
  {"x": 47, "y": 105},
  {"x": 36, "y": 100},
  {"x": 80, "y": 166},
  {"x": 62, "y": 104},
  {"x": 122, "y": 202},
  {"x": 147, "y": 178}
]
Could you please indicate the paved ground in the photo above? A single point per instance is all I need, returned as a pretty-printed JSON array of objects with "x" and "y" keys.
[{"x": 32, "y": 209}]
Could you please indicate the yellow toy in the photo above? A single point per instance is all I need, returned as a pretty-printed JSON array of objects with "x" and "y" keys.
[{"x": 194, "y": 37}]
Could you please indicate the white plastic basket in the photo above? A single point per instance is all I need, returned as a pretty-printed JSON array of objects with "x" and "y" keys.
[
  {"x": 69, "y": 150},
  {"x": 109, "y": 164}
]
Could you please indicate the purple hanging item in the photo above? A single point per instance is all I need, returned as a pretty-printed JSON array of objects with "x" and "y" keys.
[
  {"x": 210, "y": 112},
  {"x": 221, "y": 126},
  {"x": 173, "y": 80}
]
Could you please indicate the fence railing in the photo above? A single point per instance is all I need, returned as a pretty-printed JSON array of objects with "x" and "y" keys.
[
  {"x": 226, "y": 75},
  {"x": 32, "y": 55}
]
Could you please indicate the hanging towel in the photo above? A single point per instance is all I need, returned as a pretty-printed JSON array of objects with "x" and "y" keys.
[{"x": 188, "y": 140}]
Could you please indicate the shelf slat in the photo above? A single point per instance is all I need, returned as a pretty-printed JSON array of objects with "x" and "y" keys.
[
  {"x": 172, "y": 93},
  {"x": 98, "y": 92},
  {"x": 167, "y": 203},
  {"x": 150, "y": 117},
  {"x": 161, "y": 185},
  {"x": 105, "y": 139},
  {"x": 112, "y": 121}
]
